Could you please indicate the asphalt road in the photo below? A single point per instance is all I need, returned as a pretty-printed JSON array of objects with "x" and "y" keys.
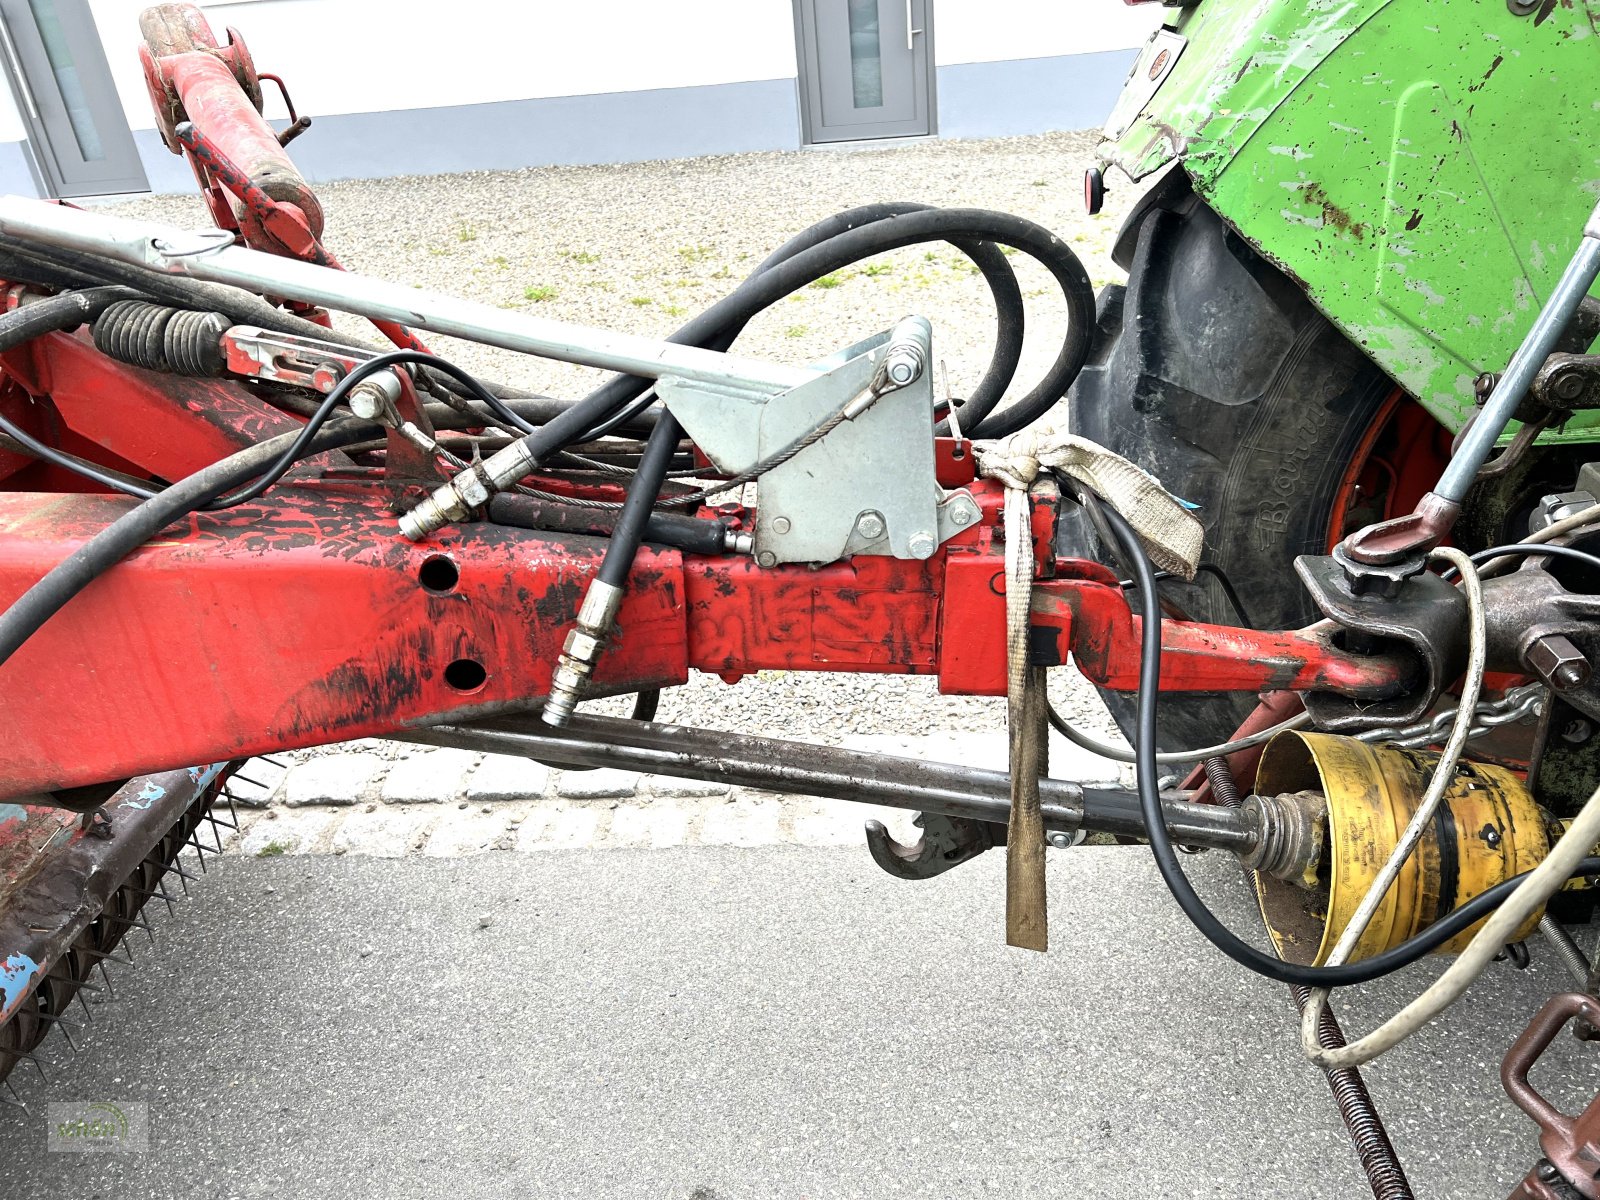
[{"x": 739, "y": 1024}]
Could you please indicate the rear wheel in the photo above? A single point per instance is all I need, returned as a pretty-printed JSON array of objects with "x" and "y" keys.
[{"x": 1215, "y": 373}]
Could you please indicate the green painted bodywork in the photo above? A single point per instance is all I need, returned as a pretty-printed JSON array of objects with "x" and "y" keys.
[{"x": 1423, "y": 167}]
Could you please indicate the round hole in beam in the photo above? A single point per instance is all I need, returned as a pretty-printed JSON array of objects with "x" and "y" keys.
[
  {"x": 466, "y": 675},
  {"x": 438, "y": 574}
]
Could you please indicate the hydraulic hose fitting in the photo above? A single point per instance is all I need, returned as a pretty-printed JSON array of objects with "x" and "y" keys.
[
  {"x": 587, "y": 638},
  {"x": 470, "y": 489}
]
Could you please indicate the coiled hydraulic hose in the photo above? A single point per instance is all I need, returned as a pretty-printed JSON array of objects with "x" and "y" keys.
[{"x": 819, "y": 251}]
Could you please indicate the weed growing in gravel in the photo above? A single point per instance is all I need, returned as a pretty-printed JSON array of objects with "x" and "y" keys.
[
  {"x": 499, "y": 260},
  {"x": 272, "y": 850},
  {"x": 696, "y": 253},
  {"x": 1041, "y": 183},
  {"x": 797, "y": 331},
  {"x": 873, "y": 270},
  {"x": 722, "y": 272},
  {"x": 640, "y": 301},
  {"x": 584, "y": 257},
  {"x": 674, "y": 310},
  {"x": 831, "y": 280},
  {"x": 466, "y": 234},
  {"x": 541, "y": 292}
]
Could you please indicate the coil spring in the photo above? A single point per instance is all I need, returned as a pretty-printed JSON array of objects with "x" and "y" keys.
[{"x": 158, "y": 338}]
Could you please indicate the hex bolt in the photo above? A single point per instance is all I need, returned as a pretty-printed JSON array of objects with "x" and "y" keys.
[
  {"x": 961, "y": 515},
  {"x": 766, "y": 559},
  {"x": 1060, "y": 840},
  {"x": 1557, "y": 661},
  {"x": 870, "y": 525},
  {"x": 922, "y": 544},
  {"x": 780, "y": 525},
  {"x": 902, "y": 367}
]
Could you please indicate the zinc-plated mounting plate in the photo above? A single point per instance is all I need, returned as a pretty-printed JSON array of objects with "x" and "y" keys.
[{"x": 868, "y": 486}]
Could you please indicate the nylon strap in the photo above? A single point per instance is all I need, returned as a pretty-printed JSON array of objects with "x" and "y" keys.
[{"x": 1027, "y": 918}]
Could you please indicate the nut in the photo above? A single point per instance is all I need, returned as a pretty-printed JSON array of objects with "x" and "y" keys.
[{"x": 1557, "y": 661}]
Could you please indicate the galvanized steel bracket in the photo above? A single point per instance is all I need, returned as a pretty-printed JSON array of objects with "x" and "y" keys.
[{"x": 867, "y": 486}]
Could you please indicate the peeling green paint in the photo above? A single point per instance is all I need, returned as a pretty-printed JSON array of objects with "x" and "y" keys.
[{"x": 1424, "y": 167}]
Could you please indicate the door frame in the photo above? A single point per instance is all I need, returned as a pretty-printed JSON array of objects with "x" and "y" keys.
[
  {"x": 805, "y": 45},
  {"x": 100, "y": 88}
]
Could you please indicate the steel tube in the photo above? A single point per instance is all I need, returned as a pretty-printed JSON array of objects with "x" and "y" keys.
[
  {"x": 1548, "y": 327},
  {"x": 187, "y": 253},
  {"x": 770, "y": 764}
]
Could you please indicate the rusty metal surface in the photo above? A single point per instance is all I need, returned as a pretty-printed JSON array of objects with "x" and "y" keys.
[
  {"x": 772, "y": 764},
  {"x": 1571, "y": 1145},
  {"x": 71, "y": 888}
]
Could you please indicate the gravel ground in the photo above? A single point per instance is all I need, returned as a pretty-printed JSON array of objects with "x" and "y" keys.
[{"x": 640, "y": 247}]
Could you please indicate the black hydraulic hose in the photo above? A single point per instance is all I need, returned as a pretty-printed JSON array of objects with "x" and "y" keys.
[
  {"x": 1379, "y": 1162},
  {"x": 991, "y": 264},
  {"x": 643, "y": 491},
  {"x": 1166, "y": 858},
  {"x": 806, "y": 266},
  {"x": 714, "y": 329},
  {"x": 141, "y": 523}
]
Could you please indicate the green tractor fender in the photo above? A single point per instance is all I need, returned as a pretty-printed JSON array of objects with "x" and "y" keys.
[{"x": 1422, "y": 167}]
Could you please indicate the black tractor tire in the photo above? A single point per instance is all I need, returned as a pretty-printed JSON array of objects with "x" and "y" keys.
[{"x": 1214, "y": 372}]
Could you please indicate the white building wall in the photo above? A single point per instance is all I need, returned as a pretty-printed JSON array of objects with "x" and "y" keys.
[{"x": 722, "y": 72}]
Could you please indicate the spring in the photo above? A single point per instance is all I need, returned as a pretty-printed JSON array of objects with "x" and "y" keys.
[{"x": 159, "y": 338}]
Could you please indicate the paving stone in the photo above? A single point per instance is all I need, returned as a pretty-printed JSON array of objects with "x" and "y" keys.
[
  {"x": 332, "y": 779},
  {"x": 603, "y": 784},
  {"x": 255, "y": 784},
  {"x": 292, "y": 833},
  {"x": 560, "y": 827},
  {"x": 429, "y": 778},
  {"x": 460, "y": 833},
  {"x": 842, "y": 823},
  {"x": 503, "y": 777},
  {"x": 743, "y": 821},
  {"x": 650, "y": 825},
  {"x": 383, "y": 833},
  {"x": 667, "y": 785}
]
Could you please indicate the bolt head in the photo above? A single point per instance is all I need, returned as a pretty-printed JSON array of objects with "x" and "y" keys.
[
  {"x": 870, "y": 525},
  {"x": 767, "y": 559},
  {"x": 961, "y": 515},
  {"x": 1060, "y": 840},
  {"x": 922, "y": 544},
  {"x": 1568, "y": 385},
  {"x": 780, "y": 525}
]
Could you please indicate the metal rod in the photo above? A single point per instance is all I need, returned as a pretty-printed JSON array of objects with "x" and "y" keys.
[
  {"x": 770, "y": 764},
  {"x": 1548, "y": 327},
  {"x": 175, "y": 251}
]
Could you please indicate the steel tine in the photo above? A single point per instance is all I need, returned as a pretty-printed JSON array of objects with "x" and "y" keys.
[
  {"x": 101, "y": 955},
  {"x": 216, "y": 830},
  {"x": 88, "y": 1017},
  {"x": 106, "y": 975},
  {"x": 246, "y": 778},
  {"x": 66, "y": 1028},
  {"x": 16, "y": 1101},
  {"x": 267, "y": 758}
]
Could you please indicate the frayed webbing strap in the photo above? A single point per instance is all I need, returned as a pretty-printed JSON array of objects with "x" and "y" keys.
[{"x": 1169, "y": 531}]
